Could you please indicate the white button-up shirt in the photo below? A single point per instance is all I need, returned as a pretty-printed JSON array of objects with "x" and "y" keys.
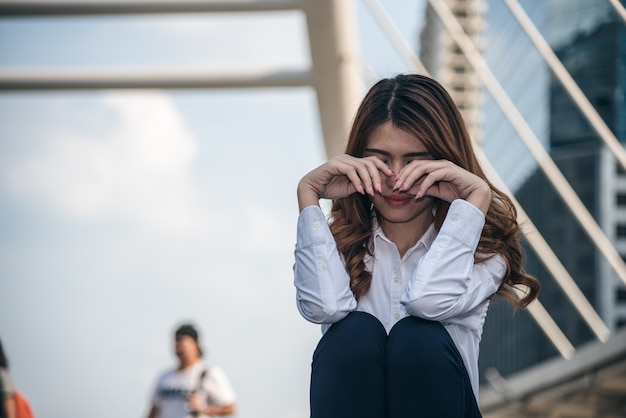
[{"x": 436, "y": 279}]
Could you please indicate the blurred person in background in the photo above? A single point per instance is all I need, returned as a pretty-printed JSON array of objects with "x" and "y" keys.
[
  {"x": 14, "y": 405},
  {"x": 193, "y": 389},
  {"x": 7, "y": 410}
]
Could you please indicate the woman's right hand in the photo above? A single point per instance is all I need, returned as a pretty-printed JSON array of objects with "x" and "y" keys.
[{"x": 340, "y": 177}]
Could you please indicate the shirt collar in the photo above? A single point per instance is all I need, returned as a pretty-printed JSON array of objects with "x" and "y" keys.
[{"x": 426, "y": 240}]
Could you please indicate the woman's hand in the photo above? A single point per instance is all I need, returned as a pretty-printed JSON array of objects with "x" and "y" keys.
[
  {"x": 444, "y": 180},
  {"x": 340, "y": 177}
]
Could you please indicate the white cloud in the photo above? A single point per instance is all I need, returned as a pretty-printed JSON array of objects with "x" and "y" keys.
[{"x": 140, "y": 171}]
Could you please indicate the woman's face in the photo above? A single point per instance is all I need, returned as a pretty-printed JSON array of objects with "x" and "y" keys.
[{"x": 397, "y": 148}]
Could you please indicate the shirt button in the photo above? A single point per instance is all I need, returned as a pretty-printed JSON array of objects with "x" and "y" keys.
[
  {"x": 317, "y": 224},
  {"x": 454, "y": 217},
  {"x": 323, "y": 266},
  {"x": 397, "y": 316},
  {"x": 434, "y": 255},
  {"x": 396, "y": 279}
]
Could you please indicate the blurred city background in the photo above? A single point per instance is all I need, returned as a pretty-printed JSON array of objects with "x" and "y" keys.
[{"x": 149, "y": 156}]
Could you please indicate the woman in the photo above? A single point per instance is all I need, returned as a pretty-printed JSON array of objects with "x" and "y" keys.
[{"x": 419, "y": 241}]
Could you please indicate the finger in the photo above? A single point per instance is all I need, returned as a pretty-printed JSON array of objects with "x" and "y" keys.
[
  {"x": 367, "y": 172},
  {"x": 412, "y": 173},
  {"x": 430, "y": 184},
  {"x": 376, "y": 167},
  {"x": 369, "y": 175},
  {"x": 425, "y": 185},
  {"x": 354, "y": 178}
]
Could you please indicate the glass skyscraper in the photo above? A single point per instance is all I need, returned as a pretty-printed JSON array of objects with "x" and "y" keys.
[{"x": 590, "y": 41}]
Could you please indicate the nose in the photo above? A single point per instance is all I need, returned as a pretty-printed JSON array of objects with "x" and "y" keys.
[
  {"x": 390, "y": 181},
  {"x": 396, "y": 167}
]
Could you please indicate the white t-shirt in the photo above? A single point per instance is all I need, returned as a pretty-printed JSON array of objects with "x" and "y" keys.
[{"x": 174, "y": 387}]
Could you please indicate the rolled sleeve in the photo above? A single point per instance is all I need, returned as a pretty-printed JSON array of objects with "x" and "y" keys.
[{"x": 323, "y": 292}]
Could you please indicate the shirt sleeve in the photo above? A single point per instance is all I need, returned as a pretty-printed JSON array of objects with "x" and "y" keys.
[
  {"x": 155, "y": 400},
  {"x": 218, "y": 387},
  {"x": 323, "y": 294},
  {"x": 447, "y": 284}
]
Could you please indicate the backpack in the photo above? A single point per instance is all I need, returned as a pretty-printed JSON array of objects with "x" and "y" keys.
[{"x": 22, "y": 408}]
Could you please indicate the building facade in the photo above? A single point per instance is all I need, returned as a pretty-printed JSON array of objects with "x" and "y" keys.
[
  {"x": 445, "y": 62},
  {"x": 589, "y": 40}
]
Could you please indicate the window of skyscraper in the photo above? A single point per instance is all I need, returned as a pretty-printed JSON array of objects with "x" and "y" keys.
[{"x": 620, "y": 231}]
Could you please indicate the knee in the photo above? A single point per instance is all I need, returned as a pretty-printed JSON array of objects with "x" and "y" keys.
[
  {"x": 426, "y": 343},
  {"x": 359, "y": 337}
]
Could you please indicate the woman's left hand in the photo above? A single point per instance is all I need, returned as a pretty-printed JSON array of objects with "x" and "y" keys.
[{"x": 444, "y": 180}]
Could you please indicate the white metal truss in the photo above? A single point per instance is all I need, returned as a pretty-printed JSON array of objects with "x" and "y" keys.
[
  {"x": 140, "y": 79},
  {"x": 22, "y": 8},
  {"x": 331, "y": 43}
]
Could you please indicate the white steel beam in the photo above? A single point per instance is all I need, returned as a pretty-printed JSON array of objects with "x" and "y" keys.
[
  {"x": 542, "y": 157},
  {"x": 568, "y": 82},
  {"x": 549, "y": 328},
  {"x": 11, "y": 80},
  {"x": 332, "y": 41},
  {"x": 24, "y": 8}
]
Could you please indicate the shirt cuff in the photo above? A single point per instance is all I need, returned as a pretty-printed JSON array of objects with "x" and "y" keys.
[
  {"x": 312, "y": 227},
  {"x": 464, "y": 222}
]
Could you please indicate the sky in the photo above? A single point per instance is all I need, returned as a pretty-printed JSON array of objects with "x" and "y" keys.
[{"x": 126, "y": 213}]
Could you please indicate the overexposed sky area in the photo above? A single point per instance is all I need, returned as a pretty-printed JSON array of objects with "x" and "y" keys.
[{"x": 125, "y": 213}]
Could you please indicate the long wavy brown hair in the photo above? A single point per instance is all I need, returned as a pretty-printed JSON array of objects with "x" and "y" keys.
[{"x": 421, "y": 106}]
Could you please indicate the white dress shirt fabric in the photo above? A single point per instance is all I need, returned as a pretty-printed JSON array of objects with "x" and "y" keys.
[{"x": 436, "y": 279}]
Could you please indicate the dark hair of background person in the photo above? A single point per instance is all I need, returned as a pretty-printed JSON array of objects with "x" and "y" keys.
[{"x": 4, "y": 363}]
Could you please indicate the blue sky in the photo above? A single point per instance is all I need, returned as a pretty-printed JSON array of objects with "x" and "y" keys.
[{"x": 124, "y": 213}]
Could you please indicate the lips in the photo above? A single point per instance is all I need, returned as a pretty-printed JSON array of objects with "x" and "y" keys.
[{"x": 397, "y": 199}]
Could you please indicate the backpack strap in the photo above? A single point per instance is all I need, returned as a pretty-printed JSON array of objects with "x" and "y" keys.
[
  {"x": 201, "y": 379},
  {"x": 199, "y": 386}
]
